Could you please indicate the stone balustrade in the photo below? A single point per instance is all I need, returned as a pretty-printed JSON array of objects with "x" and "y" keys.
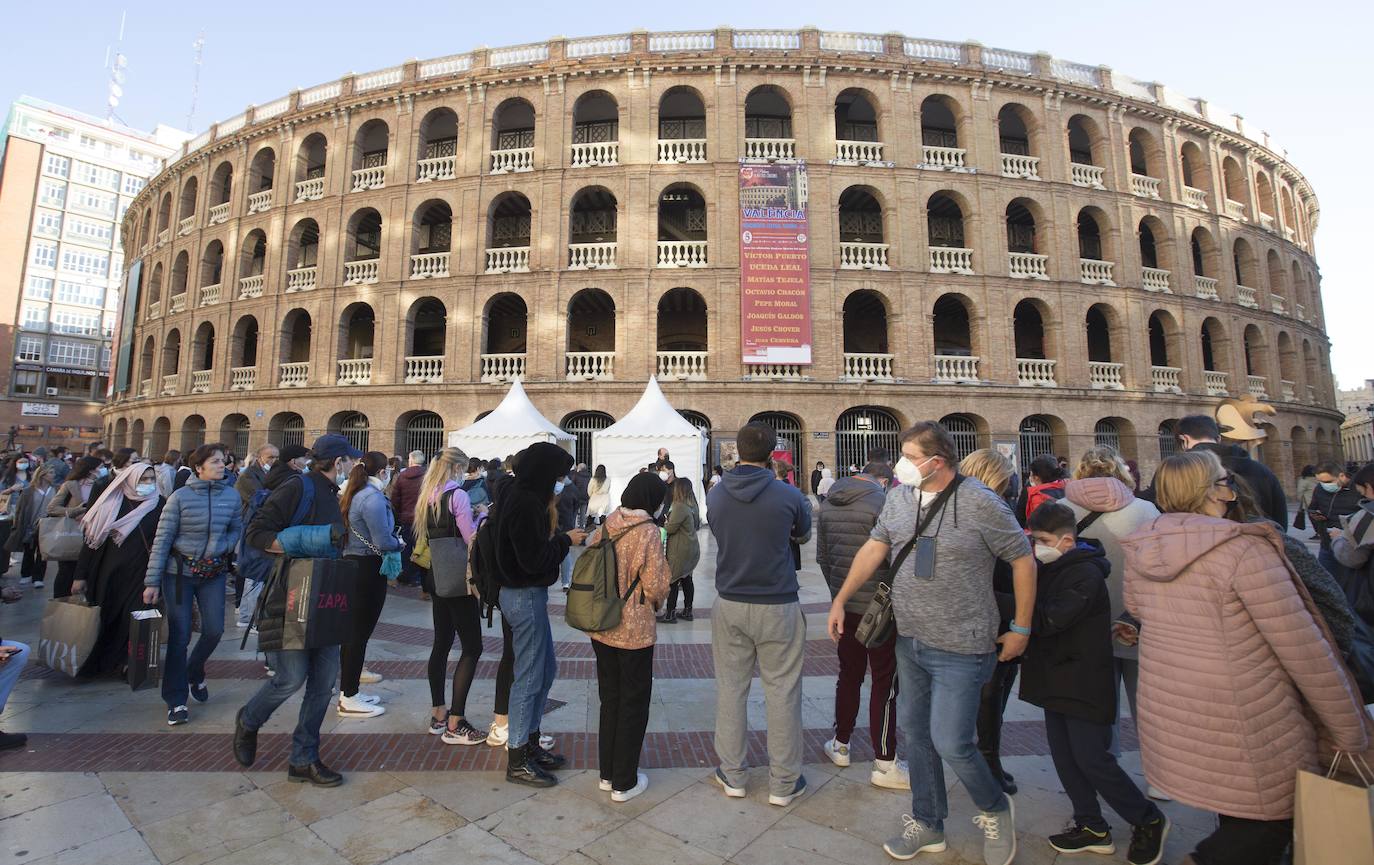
[
  {"x": 169, "y": 384},
  {"x": 863, "y": 256},
  {"x": 774, "y": 372},
  {"x": 1215, "y": 383},
  {"x": 177, "y": 304},
  {"x": 310, "y": 190},
  {"x": 300, "y": 279},
  {"x": 1288, "y": 390},
  {"x": 363, "y": 272},
  {"x": 951, "y": 259},
  {"x": 424, "y": 370},
  {"x": 1311, "y": 394},
  {"x": 953, "y": 369},
  {"x": 682, "y": 365},
  {"x": 1255, "y": 385},
  {"x": 155, "y": 309},
  {"x": 373, "y": 177},
  {"x": 1247, "y": 297},
  {"x": 243, "y": 377},
  {"x": 770, "y": 148},
  {"x": 682, "y": 253},
  {"x": 355, "y": 370},
  {"x": 598, "y": 153},
  {"x": 858, "y": 152},
  {"x": 437, "y": 168},
  {"x": 1266, "y": 221},
  {"x": 1277, "y": 303},
  {"x": 259, "y": 201},
  {"x": 1144, "y": 186},
  {"x": 294, "y": 374},
  {"x": 251, "y": 286},
  {"x": 1015, "y": 165},
  {"x": 1104, "y": 376},
  {"x": 186, "y": 225},
  {"x": 1155, "y": 279},
  {"x": 1027, "y": 265},
  {"x": 591, "y": 365},
  {"x": 685, "y": 40},
  {"x": 1235, "y": 209},
  {"x": 498, "y": 368},
  {"x": 209, "y": 294},
  {"x": 861, "y": 366},
  {"x": 1300, "y": 311},
  {"x": 1205, "y": 287},
  {"x": 512, "y": 160},
  {"x": 682, "y": 150},
  {"x": 946, "y": 158},
  {"x": 591, "y": 256},
  {"x": 217, "y": 213},
  {"x": 1035, "y": 372},
  {"x": 1089, "y": 176},
  {"x": 164, "y": 235},
  {"x": 1166, "y": 379},
  {"x": 1194, "y": 198},
  {"x": 200, "y": 381},
  {"x": 508, "y": 259},
  {"x": 1094, "y": 272},
  {"x": 429, "y": 265},
  {"x": 767, "y": 40},
  {"x": 145, "y": 388}
]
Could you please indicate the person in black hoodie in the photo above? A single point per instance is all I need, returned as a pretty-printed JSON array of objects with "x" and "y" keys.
[
  {"x": 1200, "y": 432},
  {"x": 529, "y": 550},
  {"x": 1335, "y": 497},
  {"x": 315, "y": 669},
  {"x": 1067, "y": 671}
]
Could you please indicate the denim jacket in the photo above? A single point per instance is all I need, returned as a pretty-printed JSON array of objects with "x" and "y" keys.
[{"x": 369, "y": 515}]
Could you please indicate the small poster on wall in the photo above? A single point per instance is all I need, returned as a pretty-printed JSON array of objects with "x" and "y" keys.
[{"x": 1011, "y": 449}]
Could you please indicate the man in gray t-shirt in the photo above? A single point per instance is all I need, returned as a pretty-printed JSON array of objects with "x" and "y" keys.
[{"x": 947, "y": 640}]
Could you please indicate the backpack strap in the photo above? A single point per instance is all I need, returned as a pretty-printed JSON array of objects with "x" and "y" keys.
[
  {"x": 305, "y": 507},
  {"x": 1088, "y": 520}
]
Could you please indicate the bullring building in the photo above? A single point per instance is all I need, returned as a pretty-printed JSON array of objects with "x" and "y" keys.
[{"x": 1041, "y": 253}]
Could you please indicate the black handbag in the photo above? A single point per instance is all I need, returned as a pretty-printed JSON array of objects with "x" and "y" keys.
[{"x": 448, "y": 554}]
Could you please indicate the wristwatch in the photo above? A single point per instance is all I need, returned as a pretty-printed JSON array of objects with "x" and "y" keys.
[{"x": 1017, "y": 629}]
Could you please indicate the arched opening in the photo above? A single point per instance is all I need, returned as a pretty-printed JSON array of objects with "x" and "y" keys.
[
  {"x": 865, "y": 323},
  {"x": 252, "y": 262},
  {"x": 171, "y": 355},
  {"x": 1246, "y": 267},
  {"x": 861, "y": 230},
  {"x": 1290, "y": 216},
  {"x": 432, "y": 240},
  {"x": 592, "y": 229},
  {"x": 161, "y": 439},
  {"x": 222, "y": 185},
  {"x": 357, "y": 330},
  {"x": 1256, "y": 355},
  {"x": 581, "y": 425},
  {"x": 940, "y": 132},
  {"x": 303, "y": 250},
  {"x": 1143, "y": 152},
  {"x": 1264, "y": 197},
  {"x": 1023, "y": 260},
  {"x": 512, "y": 137},
  {"x": 189, "y": 193},
  {"x": 703, "y": 423},
  {"x": 121, "y": 434},
  {"x": 295, "y": 332},
  {"x": 1214, "y": 349},
  {"x": 1149, "y": 251},
  {"x": 968, "y": 431},
  {"x": 1166, "y": 352},
  {"x": 681, "y": 335},
  {"x": 504, "y": 324},
  {"x": 137, "y": 439},
  {"x": 1167, "y": 439},
  {"x": 145, "y": 364},
  {"x": 789, "y": 430},
  {"x": 952, "y": 331},
  {"x": 243, "y": 349},
  {"x": 508, "y": 234},
  {"x": 1107, "y": 434},
  {"x": 203, "y": 348},
  {"x": 234, "y": 431},
  {"x": 1084, "y": 141},
  {"x": 422, "y": 431},
  {"x": 164, "y": 214},
  {"x": 591, "y": 335},
  {"x": 681, "y": 227},
  {"x": 286, "y": 428},
  {"x": 681, "y": 118},
  {"x": 1302, "y": 448},
  {"x": 1019, "y": 155},
  {"x": 767, "y": 114},
  {"x": 863, "y": 429},
  {"x": 261, "y": 172},
  {"x": 1196, "y": 175},
  {"x": 1233, "y": 184},
  {"x": 310, "y": 165},
  {"x": 364, "y": 236},
  {"x": 181, "y": 269},
  {"x": 596, "y": 130},
  {"x": 1033, "y": 364},
  {"x": 192, "y": 433},
  {"x": 945, "y": 233},
  {"x": 1278, "y": 282},
  {"x": 428, "y": 328},
  {"x": 145, "y": 231},
  {"x": 1203, "y": 251},
  {"x": 1036, "y": 438},
  {"x": 1288, "y": 367},
  {"x": 353, "y": 426},
  {"x": 1092, "y": 231},
  {"x": 1309, "y": 367},
  {"x": 437, "y": 146},
  {"x": 1099, "y": 334},
  {"x": 211, "y": 269},
  {"x": 155, "y": 285},
  {"x": 857, "y": 138}
]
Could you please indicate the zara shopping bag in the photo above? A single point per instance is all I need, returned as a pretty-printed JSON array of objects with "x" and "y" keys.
[
  {"x": 145, "y": 648},
  {"x": 67, "y": 634},
  {"x": 59, "y": 538},
  {"x": 1333, "y": 820},
  {"x": 319, "y": 601}
]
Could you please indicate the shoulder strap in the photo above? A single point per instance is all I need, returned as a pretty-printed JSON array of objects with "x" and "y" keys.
[
  {"x": 935, "y": 508},
  {"x": 306, "y": 505},
  {"x": 1088, "y": 520}
]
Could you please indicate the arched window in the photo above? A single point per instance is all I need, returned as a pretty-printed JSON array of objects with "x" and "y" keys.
[
  {"x": 1036, "y": 439},
  {"x": 1099, "y": 334},
  {"x": 681, "y": 126},
  {"x": 581, "y": 424},
  {"x": 512, "y": 133},
  {"x": 945, "y": 233},
  {"x": 211, "y": 272},
  {"x": 164, "y": 215},
  {"x": 681, "y": 335},
  {"x": 310, "y": 167},
  {"x": 369, "y": 155},
  {"x": 221, "y": 187},
  {"x": 189, "y": 194},
  {"x": 203, "y": 349},
  {"x": 940, "y": 132},
  {"x": 1019, "y": 156},
  {"x": 192, "y": 433},
  {"x": 681, "y": 227},
  {"x": 860, "y": 430},
  {"x": 260, "y": 176},
  {"x": 1083, "y": 137},
  {"x": 592, "y": 229},
  {"x": 591, "y": 335},
  {"x": 424, "y": 432},
  {"x": 353, "y": 426},
  {"x": 243, "y": 351},
  {"x": 1106, "y": 434},
  {"x": 596, "y": 130},
  {"x": 865, "y": 323},
  {"x": 438, "y": 142},
  {"x": 286, "y": 428},
  {"x": 1233, "y": 184},
  {"x": 508, "y": 234},
  {"x": 963, "y": 429},
  {"x": 767, "y": 117},
  {"x": 789, "y": 431},
  {"x": 1168, "y": 439},
  {"x": 861, "y": 230},
  {"x": 1033, "y": 366},
  {"x": 1196, "y": 175},
  {"x": 234, "y": 431},
  {"x": 428, "y": 330},
  {"x": 857, "y": 140}
]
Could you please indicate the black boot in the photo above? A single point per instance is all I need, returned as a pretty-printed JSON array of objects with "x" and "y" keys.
[
  {"x": 522, "y": 770},
  {"x": 544, "y": 759},
  {"x": 245, "y": 742},
  {"x": 667, "y": 618},
  {"x": 686, "y": 614}
]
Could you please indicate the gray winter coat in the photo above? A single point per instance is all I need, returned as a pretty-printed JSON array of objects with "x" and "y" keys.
[
  {"x": 202, "y": 519},
  {"x": 847, "y": 516}
]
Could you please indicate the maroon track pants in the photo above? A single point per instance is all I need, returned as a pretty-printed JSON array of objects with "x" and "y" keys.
[{"x": 882, "y": 698}]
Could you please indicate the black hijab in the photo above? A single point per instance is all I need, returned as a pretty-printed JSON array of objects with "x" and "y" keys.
[{"x": 644, "y": 493}]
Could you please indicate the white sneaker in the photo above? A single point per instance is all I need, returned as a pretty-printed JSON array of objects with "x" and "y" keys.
[
  {"x": 499, "y": 733},
  {"x": 1157, "y": 794},
  {"x": 368, "y": 698},
  {"x": 370, "y": 678},
  {"x": 603, "y": 785},
  {"x": 38, "y": 584},
  {"x": 890, "y": 774},
  {"x": 642, "y": 784},
  {"x": 838, "y": 752},
  {"x": 352, "y": 707}
]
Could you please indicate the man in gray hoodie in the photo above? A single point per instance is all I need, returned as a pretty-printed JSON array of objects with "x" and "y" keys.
[{"x": 757, "y": 618}]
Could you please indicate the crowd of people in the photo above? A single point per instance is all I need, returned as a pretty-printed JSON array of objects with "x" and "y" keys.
[{"x": 1236, "y": 648}]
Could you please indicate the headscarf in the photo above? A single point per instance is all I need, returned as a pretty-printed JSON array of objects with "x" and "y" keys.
[
  {"x": 103, "y": 521},
  {"x": 644, "y": 492}
]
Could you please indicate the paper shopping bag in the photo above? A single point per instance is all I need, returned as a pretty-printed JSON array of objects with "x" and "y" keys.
[
  {"x": 145, "y": 648},
  {"x": 67, "y": 634},
  {"x": 1334, "y": 817},
  {"x": 320, "y": 594}
]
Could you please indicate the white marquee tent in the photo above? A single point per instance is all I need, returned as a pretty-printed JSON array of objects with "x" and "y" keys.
[
  {"x": 512, "y": 426},
  {"x": 632, "y": 442}
]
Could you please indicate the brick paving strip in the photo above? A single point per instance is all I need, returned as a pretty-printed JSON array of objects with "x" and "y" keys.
[{"x": 421, "y": 752}]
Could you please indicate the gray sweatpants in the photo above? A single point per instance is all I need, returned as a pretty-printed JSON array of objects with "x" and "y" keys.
[{"x": 773, "y": 636}]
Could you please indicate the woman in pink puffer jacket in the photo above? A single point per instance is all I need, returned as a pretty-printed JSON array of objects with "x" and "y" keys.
[{"x": 1235, "y": 665}]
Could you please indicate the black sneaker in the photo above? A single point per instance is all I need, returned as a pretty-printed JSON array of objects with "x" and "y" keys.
[
  {"x": 1147, "y": 842},
  {"x": 179, "y": 715},
  {"x": 685, "y": 615},
  {"x": 201, "y": 692},
  {"x": 1077, "y": 838},
  {"x": 667, "y": 618},
  {"x": 9, "y": 741}
]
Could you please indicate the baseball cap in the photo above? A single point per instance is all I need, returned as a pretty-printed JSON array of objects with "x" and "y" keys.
[{"x": 328, "y": 447}]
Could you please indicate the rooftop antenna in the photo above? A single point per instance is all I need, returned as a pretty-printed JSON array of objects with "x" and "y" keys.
[
  {"x": 116, "y": 65},
  {"x": 199, "y": 45}
]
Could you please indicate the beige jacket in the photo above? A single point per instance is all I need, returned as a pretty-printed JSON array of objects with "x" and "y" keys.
[
  {"x": 1238, "y": 676},
  {"x": 638, "y": 553}
]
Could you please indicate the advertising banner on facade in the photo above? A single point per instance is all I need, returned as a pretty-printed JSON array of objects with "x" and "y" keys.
[
  {"x": 775, "y": 265},
  {"x": 120, "y": 382}
]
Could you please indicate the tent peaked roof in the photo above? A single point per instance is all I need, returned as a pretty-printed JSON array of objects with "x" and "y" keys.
[
  {"x": 515, "y": 417},
  {"x": 653, "y": 415}
]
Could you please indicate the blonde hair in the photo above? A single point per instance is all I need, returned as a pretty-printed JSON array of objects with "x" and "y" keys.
[
  {"x": 1104, "y": 461},
  {"x": 447, "y": 466},
  {"x": 990, "y": 467},
  {"x": 1183, "y": 481}
]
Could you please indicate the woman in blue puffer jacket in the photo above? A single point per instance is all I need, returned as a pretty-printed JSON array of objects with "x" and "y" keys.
[{"x": 188, "y": 563}]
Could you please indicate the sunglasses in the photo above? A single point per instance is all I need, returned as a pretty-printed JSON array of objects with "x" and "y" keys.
[{"x": 1228, "y": 481}]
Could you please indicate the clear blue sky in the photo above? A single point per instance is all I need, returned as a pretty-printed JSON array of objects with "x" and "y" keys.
[{"x": 1294, "y": 69}]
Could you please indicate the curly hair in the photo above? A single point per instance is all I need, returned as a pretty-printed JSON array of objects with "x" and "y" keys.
[{"x": 1104, "y": 461}]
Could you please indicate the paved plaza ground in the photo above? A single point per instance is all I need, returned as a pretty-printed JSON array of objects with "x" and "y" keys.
[{"x": 104, "y": 779}]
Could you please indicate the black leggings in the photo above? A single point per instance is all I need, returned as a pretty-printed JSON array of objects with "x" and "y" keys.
[
  {"x": 34, "y": 565},
  {"x": 369, "y": 597},
  {"x": 689, "y": 591},
  {"x": 505, "y": 671},
  {"x": 452, "y": 616}
]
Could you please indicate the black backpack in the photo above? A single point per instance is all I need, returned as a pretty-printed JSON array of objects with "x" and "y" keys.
[{"x": 483, "y": 568}]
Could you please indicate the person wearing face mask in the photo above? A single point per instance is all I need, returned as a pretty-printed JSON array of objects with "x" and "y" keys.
[
  {"x": 1068, "y": 672},
  {"x": 1334, "y": 499},
  {"x": 667, "y": 472},
  {"x": 316, "y": 670},
  {"x": 948, "y": 531},
  {"x": 1201, "y": 432},
  {"x": 70, "y": 500},
  {"x": 119, "y": 531},
  {"x": 1353, "y": 544},
  {"x": 119, "y": 460},
  {"x": 15, "y": 478},
  {"x": 251, "y": 479},
  {"x": 1237, "y": 673},
  {"x": 252, "y": 566}
]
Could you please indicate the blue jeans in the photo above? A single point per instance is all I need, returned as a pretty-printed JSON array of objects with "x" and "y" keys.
[
  {"x": 527, "y": 610},
  {"x": 10, "y": 670},
  {"x": 178, "y": 669},
  {"x": 565, "y": 570},
  {"x": 252, "y": 589},
  {"x": 317, "y": 670},
  {"x": 939, "y": 696}
]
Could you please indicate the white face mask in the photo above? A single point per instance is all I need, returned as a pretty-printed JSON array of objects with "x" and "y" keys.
[
  {"x": 1046, "y": 554},
  {"x": 663, "y": 476},
  {"x": 146, "y": 490},
  {"x": 1331, "y": 486},
  {"x": 22, "y": 467},
  {"x": 909, "y": 473},
  {"x": 557, "y": 487}
]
